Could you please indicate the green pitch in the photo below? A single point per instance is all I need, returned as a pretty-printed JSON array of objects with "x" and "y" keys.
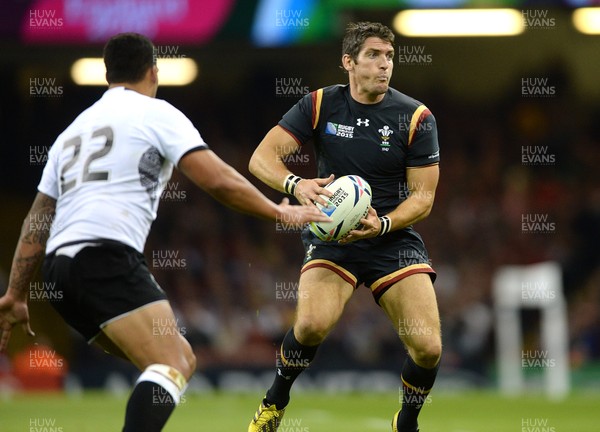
[{"x": 311, "y": 412}]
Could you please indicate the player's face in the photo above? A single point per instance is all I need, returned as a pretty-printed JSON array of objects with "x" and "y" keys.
[{"x": 373, "y": 67}]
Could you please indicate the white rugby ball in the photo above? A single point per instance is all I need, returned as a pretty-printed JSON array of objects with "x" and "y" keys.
[{"x": 348, "y": 205}]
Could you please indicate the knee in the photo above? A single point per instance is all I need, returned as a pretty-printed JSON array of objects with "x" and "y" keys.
[
  {"x": 428, "y": 354},
  {"x": 311, "y": 330},
  {"x": 183, "y": 359}
]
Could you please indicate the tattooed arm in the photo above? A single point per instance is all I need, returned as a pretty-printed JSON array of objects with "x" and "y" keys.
[{"x": 28, "y": 255}]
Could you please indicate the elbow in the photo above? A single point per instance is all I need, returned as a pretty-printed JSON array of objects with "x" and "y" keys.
[
  {"x": 426, "y": 207},
  {"x": 256, "y": 165},
  {"x": 253, "y": 166},
  {"x": 426, "y": 212}
]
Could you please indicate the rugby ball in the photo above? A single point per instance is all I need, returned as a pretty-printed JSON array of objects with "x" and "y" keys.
[{"x": 349, "y": 204}]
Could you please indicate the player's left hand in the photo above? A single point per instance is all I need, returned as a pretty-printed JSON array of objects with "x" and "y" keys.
[{"x": 370, "y": 228}]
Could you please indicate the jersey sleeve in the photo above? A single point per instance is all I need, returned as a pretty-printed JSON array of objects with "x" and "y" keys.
[
  {"x": 423, "y": 147},
  {"x": 303, "y": 117},
  {"x": 49, "y": 182},
  {"x": 175, "y": 133}
]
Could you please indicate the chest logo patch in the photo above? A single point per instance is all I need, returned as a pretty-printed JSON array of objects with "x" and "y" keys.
[{"x": 385, "y": 133}]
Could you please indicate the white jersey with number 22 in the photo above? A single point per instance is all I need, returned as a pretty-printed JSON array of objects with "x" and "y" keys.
[{"x": 107, "y": 170}]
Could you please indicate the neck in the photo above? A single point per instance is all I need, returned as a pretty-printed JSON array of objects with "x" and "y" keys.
[
  {"x": 362, "y": 96},
  {"x": 138, "y": 87}
]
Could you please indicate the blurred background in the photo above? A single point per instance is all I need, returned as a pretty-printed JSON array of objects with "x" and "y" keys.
[{"x": 519, "y": 134}]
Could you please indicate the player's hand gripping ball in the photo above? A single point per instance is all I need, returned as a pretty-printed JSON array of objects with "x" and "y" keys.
[{"x": 349, "y": 204}]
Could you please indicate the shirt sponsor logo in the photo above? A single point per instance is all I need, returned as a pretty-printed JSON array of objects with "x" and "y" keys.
[{"x": 339, "y": 130}]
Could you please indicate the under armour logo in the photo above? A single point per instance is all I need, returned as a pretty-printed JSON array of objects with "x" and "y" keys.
[{"x": 361, "y": 122}]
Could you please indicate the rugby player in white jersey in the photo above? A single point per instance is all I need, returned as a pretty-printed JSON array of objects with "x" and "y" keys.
[{"x": 101, "y": 186}]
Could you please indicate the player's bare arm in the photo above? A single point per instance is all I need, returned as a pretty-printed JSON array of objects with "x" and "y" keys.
[
  {"x": 27, "y": 258},
  {"x": 422, "y": 183},
  {"x": 229, "y": 187},
  {"x": 267, "y": 165}
]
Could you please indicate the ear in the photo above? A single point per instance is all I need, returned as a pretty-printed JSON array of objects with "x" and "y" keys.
[
  {"x": 152, "y": 74},
  {"x": 348, "y": 62}
]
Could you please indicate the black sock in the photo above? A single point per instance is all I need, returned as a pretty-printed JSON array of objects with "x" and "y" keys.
[
  {"x": 416, "y": 385},
  {"x": 292, "y": 359},
  {"x": 148, "y": 409}
]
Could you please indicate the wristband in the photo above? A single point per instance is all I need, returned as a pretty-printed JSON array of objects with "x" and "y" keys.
[
  {"x": 386, "y": 225},
  {"x": 290, "y": 183}
]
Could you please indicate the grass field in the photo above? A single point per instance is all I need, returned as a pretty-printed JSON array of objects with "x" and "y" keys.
[{"x": 310, "y": 412}]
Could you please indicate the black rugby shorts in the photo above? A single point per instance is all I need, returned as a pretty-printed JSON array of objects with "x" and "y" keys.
[
  {"x": 377, "y": 262},
  {"x": 100, "y": 283}
]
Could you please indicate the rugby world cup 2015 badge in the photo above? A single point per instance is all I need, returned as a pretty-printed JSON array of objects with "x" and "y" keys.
[{"x": 340, "y": 130}]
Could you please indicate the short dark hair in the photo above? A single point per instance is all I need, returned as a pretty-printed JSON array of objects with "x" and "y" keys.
[
  {"x": 357, "y": 33},
  {"x": 127, "y": 57}
]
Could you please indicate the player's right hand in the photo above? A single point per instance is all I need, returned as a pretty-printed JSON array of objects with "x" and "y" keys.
[
  {"x": 296, "y": 216},
  {"x": 309, "y": 191},
  {"x": 12, "y": 312}
]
